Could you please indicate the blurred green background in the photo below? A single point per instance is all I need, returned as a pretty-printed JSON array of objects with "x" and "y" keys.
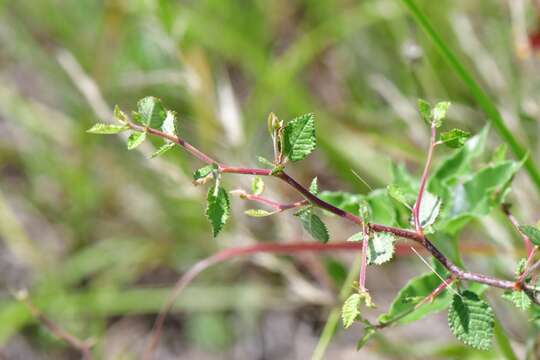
[{"x": 98, "y": 234}]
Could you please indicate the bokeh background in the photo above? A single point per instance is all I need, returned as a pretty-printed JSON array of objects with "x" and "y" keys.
[{"x": 98, "y": 235}]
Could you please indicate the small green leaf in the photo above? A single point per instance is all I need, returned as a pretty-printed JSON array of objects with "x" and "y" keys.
[
  {"x": 218, "y": 209},
  {"x": 425, "y": 110},
  {"x": 499, "y": 154},
  {"x": 359, "y": 236},
  {"x": 150, "y": 112},
  {"x": 204, "y": 172},
  {"x": 106, "y": 129},
  {"x": 257, "y": 185},
  {"x": 135, "y": 139},
  {"x": 299, "y": 137},
  {"x": 119, "y": 115},
  {"x": 170, "y": 124},
  {"x": 258, "y": 213},
  {"x": 398, "y": 194},
  {"x": 364, "y": 210},
  {"x": 162, "y": 150},
  {"x": 429, "y": 209},
  {"x": 438, "y": 113},
  {"x": 265, "y": 161},
  {"x": 519, "y": 299},
  {"x": 314, "y": 187},
  {"x": 532, "y": 233},
  {"x": 277, "y": 169},
  {"x": 455, "y": 138},
  {"x": 369, "y": 331},
  {"x": 381, "y": 248},
  {"x": 350, "y": 310},
  {"x": 313, "y": 225},
  {"x": 520, "y": 267},
  {"x": 471, "y": 320}
]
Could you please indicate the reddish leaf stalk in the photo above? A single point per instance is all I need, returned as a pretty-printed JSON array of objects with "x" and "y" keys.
[{"x": 269, "y": 202}]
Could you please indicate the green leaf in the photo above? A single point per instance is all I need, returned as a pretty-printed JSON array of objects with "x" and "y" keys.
[
  {"x": 532, "y": 233},
  {"x": 350, "y": 310},
  {"x": 170, "y": 124},
  {"x": 455, "y": 138},
  {"x": 218, "y": 209},
  {"x": 299, "y": 137},
  {"x": 258, "y": 213},
  {"x": 403, "y": 309},
  {"x": 471, "y": 320},
  {"x": 364, "y": 210},
  {"x": 314, "y": 186},
  {"x": 313, "y": 225},
  {"x": 438, "y": 113},
  {"x": 381, "y": 248},
  {"x": 359, "y": 236},
  {"x": 277, "y": 169},
  {"x": 499, "y": 154},
  {"x": 429, "y": 209},
  {"x": 162, "y": 150},
  {"x": 257, "y": 185},
  {"x": 119, "y": 115},
  {"x": 520, "y": 267},
  {"x": 425, "y": 110},
  {"x": 106, "y": 129},
  {"x": 343, "y": 200},
  {"x": 204, "y": 172},
  {"x": 398, "y": 194},
  {"x": 519, "y": 299},
  {"x": 150, "y": 112},
  {"x": 135, "y": 139},
  {"x": 265, "y": 161}
]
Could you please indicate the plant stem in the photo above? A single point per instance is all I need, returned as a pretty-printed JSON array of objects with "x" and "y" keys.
[
  {"x": 278, "y": 207},
  {"x": 423, "y": 181},
  {"x": 363, "y": 268}
]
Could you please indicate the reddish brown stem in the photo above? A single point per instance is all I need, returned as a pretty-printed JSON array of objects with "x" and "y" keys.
[
  {"x": 278, "y": 207},
  {"x": 439, "y": 289}
]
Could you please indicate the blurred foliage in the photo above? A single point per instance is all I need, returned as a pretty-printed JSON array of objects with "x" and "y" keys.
[{"x": 99, "y": 235}]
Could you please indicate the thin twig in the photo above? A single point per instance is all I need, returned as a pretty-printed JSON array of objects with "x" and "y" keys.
[{"x": 278, "y": 207}]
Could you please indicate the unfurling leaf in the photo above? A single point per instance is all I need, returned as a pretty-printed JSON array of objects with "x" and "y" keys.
[
  {"x": 150, "y": 112},
  {"x": 438, "y": 113},
  {"x": 350, "y": 310},
  {"x": 162, "y": 150},
  {"x": 313, "y": 225},
  {"x": 314, "y": 187},
  {"x": 204, "y": 173},
  {"x": 429, "y": 209},
  {"x": 299, "y": 137},
  {"x": 265, "y": 161},
  {"x": 258, "y": 213},
  {"x": 519, "y": 299},
  {"x": 257, "y": 185},
  {"x": 135, "y": 139},
  {"x": 381, "y": 248},
  {"x": 471, "y": 320},
  {"x": 218, "y": 209},
  {"x": 106, "y": 129},
  {"x": 520, "y": 267},
  {"x": 119, "y": 115},
  {"x": 455, "y": 138},
  {"x": 532, "y": 233},
  {"x": 273, "y": 123},
  {"x": 425, "y": 110},
  {"x": 398, "y": 194}
]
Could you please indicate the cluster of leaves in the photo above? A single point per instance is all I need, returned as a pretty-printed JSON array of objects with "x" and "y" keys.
[{"x": 461, "y": 188}]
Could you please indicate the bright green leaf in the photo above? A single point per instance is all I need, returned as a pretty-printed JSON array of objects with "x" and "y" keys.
[
  {"x": 532, "y": 233},
  {"x": 381, "y": 248},
  {"x": 438, "y": 113},
  {"x": 471, "y": 320},
  {"x": 369, "y": 331},
  {"x": 162, "y": 150},
  {"x": 425, "y": 110},
  {"x": 150, "y": 112},
  {"x": 106, "y": 129},
  {"x": 204, "y": 172},
  {"x": 119, "y": 115},
  {"x": 350, "y": 310},
  {"x": 499, "y": 154},
  {"x": 265, "y": 161},
  {"x": 313, "y": 225},
  {"x": 314, "y": 186},
  {"x": 429, "y": 209},
  {"x": 258, "y": 213},
  {"x": 520, "y": 267},
  {"x": 455, "y": 138},
  {"x": 299, "y": 137},
  {"x": 218, "y": 209},
  {"x": 257, "y": 185},
  {"x": 135, "y": 139},
  {"x": 519, "y": 299},
  {"x": 398, "y": 194}
]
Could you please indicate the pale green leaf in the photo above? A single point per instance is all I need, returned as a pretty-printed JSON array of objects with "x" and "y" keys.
[
  {"x": 359, "y": 236},
  {"x": 429, "y": 209},
  {"x": 106, "y": 129},
  {"x": 218, "y": 208},
  {"x": 350, "y": 310},
  {"x": 162, "y": 150},
  {"x": 314, "y": 186},
  {"x": 204, "y": 172},
  {"x": 532, "y": 233},
  {"x": 397, "y": 193},
  {"x": 471, "y": 320},
  {"x": 438, "y": 113},
  {"x": 499, "y": 154},
  {"x": 257, "y": 185},
  {"x": 265, "y": 161},
  {"x": 381, "y": 248},
  {"x": 313, "y": 225},
  {"x": 519, "y": 299},
  {"x": 520, "y": 267},
  {"x": 135, "y": 139},
  {"x": 455, "y": 138},
  {"x": 299, "y": 137},
  {"x": 170, "y": 124},
  {"x": 425, "y": 110},
  {"x": 369, "y": 331},
  {"x": 258, "y": 213},
  {"x": 150, "y": 112},
  {"x": 119, "y": 115}
]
